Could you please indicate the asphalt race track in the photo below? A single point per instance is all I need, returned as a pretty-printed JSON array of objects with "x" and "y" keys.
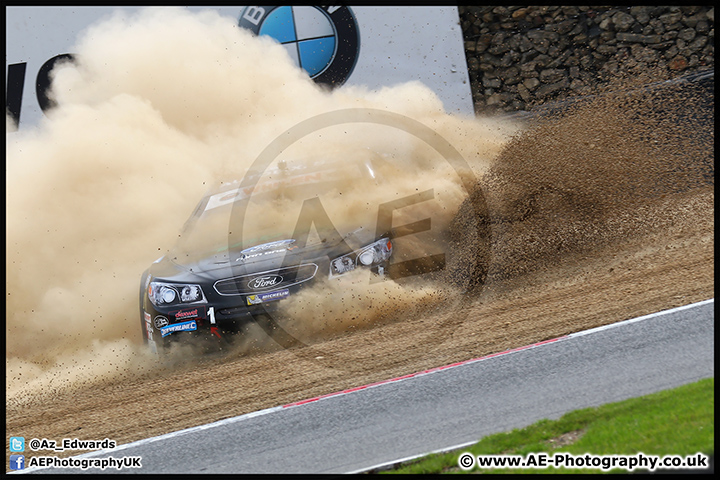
[{"x": 442, "y": 408}]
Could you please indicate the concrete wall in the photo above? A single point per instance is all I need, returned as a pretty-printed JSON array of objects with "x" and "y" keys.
[{"x": 519, "y": 57}]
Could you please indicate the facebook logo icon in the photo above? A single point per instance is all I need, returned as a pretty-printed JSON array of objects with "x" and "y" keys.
[{"x": 17, "y": 462}]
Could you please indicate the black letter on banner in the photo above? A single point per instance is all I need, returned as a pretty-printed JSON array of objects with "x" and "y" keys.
[
  {"x": 14, "y": 91},
  {"x": 42, "y": 85}
]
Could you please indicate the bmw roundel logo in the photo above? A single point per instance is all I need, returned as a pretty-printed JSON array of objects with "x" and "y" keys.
[{"x": 324, "y": 41}]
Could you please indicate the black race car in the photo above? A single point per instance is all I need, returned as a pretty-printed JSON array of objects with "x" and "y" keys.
[{"x": 208, "y": 288}]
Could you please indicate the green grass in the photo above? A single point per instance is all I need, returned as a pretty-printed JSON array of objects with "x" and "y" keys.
[{"x": 672, "y": 422}]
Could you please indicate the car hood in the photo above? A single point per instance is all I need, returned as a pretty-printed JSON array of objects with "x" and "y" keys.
[{"x": 265, "y": 257}]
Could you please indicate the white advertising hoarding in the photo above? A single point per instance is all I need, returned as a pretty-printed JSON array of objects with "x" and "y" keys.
[{"x": 372, "y": 47}]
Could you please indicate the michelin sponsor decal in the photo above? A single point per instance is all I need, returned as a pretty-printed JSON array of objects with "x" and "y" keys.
[
  {"x": 179, "y": 327},
  {"x": 267, "y": 297}
]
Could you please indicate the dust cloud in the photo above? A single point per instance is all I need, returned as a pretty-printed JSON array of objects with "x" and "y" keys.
[
  {"x": 627, "y": 165},
  {"x": 157, "y": 107}
]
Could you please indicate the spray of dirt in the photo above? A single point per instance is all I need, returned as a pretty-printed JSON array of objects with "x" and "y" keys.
[
  {"x": 627, "y": 165},
  {"x": 158, "y": 106},
  {"x": 601, "y": 173}
]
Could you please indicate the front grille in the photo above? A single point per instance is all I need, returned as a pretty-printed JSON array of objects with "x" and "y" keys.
[
  {"x": 266, "y": 281},
  {"x": 229, "y": 312}
]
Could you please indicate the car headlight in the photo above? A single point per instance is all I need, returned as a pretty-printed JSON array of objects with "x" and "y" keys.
[
  {"x": 367, "y": 256},
  {"x": 166, "y": 294},
  {"x": 342, "y": 265},
  {"x": 373, "y": 254},
  {"x": 161, "y": 293},
  {"x": 190, "y": 293}
]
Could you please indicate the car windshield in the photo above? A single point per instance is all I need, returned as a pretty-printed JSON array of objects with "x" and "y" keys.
[{"x": 269, "y": 206}]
